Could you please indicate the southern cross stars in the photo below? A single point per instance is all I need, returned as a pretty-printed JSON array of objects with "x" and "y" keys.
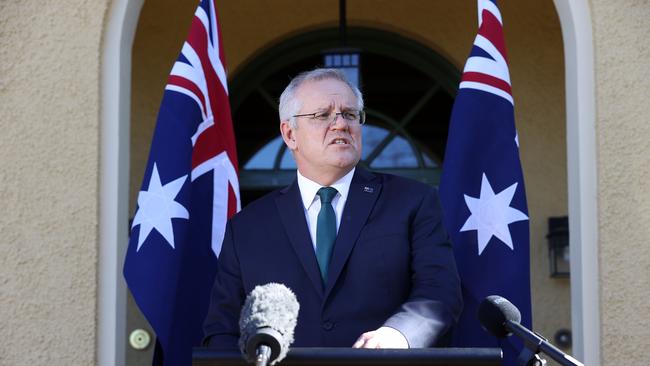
[
  {"x": 491, "y": 214},
  {"x": 157, "y": 208}
]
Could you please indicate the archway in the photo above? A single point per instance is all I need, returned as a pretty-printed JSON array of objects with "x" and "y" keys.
[
  {"x": 121, "y": 23},
  {"x": 115, "y": 89},
  {"x": 581, "y": 155}
]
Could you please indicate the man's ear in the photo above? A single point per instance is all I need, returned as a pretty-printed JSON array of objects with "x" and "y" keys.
[{"x": 288, "y": 134}]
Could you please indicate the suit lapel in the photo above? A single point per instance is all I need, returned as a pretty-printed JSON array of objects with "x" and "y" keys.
[
  {"x": 362, "y": 196},
  {"x": 291, "y": 212}
]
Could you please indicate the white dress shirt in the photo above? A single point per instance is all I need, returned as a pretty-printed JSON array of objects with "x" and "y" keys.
[
  {"x": 384, "y": 337},
  {"x": 311, "y": 200}
]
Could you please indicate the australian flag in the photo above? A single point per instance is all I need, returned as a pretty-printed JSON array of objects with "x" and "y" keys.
[
  {"x": 482, "y": 188},
  {"x": 189, "y": 190}
]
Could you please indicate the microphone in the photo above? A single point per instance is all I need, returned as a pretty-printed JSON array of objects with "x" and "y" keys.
[
  {"x": 266, "y": 323},
  {"x": 501, "y": 318}
]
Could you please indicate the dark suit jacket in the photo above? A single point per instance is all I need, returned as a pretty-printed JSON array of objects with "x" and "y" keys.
[{"x": 392, "y": 265}]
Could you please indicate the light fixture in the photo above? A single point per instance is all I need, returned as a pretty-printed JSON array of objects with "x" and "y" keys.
[
  {"x": 344, "y": 58},
  {"x": 558, "y": 246}
]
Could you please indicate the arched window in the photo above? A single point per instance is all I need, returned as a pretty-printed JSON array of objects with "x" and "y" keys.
[
  {"x": 399, "y": 152},
  {"x": 408, "y": 91}
]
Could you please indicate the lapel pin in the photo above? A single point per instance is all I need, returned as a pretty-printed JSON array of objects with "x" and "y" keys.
[{"x": 368, "y": 189}]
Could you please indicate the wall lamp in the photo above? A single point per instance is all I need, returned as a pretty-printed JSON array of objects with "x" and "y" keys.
[{"x": 558, "y": 246}]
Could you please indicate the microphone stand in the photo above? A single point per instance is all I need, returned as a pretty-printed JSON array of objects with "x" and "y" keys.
[
  {"x": 263, "y": 355},
  {"x": 528, "y": 358},
  {"x": 264, "y": 345},
  {"x": 534, "y": 344}
]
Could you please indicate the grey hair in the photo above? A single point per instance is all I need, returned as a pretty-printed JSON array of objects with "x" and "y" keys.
[{"x": 290, "y": 105}]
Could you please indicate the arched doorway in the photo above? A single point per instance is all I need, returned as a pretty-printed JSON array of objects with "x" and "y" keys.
[
  {"x": 408, "y": 91},
  {"x": 122, "y": 17}
]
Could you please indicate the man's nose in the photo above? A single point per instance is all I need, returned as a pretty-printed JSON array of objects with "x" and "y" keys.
[{"x": 339, "y": 122}]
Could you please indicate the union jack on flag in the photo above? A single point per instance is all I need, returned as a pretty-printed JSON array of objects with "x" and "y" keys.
[
  {"x": 190, "y": 188},
  {"x": 482, "y": 189},
  {"x": 486, "y": 68}
]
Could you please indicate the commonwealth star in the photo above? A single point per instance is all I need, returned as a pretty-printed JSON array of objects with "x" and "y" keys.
[
  {"x": 491, "y": 213},
  {"x": 157, "y": 207}
]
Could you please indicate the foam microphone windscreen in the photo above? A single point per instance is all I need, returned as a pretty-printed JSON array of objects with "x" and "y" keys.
[
  {"x": 271, "y": 307},
  {"x": 494, "y": 312}
]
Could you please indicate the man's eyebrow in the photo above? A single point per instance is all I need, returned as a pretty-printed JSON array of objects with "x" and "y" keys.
[{"x": 325, "y": 107}]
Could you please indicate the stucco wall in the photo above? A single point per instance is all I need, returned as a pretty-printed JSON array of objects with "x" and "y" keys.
[
  {"x": 49, "y": 103},
  {"x": 534, "y": 42},
  {"x": 622, "y": 51}
]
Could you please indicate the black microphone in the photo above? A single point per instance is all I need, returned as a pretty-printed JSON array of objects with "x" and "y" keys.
[
  {"x": 501, "y": 318},
  {"x": 266, "y": 323}
]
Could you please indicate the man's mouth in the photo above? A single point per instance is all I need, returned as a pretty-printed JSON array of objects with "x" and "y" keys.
[{"x": 340, "y": 141}]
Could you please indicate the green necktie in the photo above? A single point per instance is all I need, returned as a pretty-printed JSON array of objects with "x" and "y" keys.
[{"x": 325, "y": 230}]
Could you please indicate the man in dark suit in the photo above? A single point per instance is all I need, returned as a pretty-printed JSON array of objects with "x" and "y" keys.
[{"x": 366, "y": 254}]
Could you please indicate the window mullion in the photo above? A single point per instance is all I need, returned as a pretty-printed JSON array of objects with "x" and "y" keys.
[
  {"x": 401, "y": 126},
  {"x": 268, "y": 98}
]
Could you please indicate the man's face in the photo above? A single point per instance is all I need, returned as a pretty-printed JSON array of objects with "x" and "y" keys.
[{"x": 324, "y": 149}]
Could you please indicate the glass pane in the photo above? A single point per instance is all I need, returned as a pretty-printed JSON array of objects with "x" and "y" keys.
[
  {"x": 398, "y": 154},
  {"x": 287, "y": 160},
  {"x": 428, "y": 163},
  {"x": 371, "y": 137},
  {"x": 264, "y": 158}
]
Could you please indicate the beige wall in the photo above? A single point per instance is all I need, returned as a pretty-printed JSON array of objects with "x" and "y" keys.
[
  {"x": 49, "y": 118},
  {"x": 622, "y": 51},
  {"x": 534, "y": 42}
]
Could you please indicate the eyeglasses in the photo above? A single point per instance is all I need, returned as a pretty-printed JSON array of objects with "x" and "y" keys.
[{"x": 352, "y": 117}]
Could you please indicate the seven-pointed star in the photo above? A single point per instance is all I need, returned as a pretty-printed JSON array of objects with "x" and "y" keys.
[
  {"x": 157, "y": 208},
  {"x": 491, "y": 214}
]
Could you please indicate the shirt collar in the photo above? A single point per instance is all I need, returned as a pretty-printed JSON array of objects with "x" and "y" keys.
[{"x": 309, "y": 188}]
